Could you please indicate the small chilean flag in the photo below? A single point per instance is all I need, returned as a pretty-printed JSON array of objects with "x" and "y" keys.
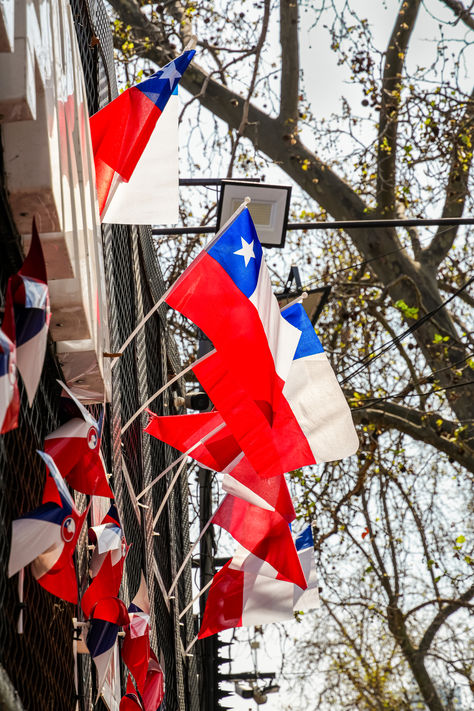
[
  {"x": 136, "y": 644},
  {"x": 30, "y": 295},
  {"x": 75, "y": 447},
  {"x": 9, "y": 394},
  {"x": 243, "y": 599},
  {"x": 121, "y": 130},
  {"x": 107, "y": 617},
  {"x": 47, "y": 536},
  {"x": 107, "y": 561}
]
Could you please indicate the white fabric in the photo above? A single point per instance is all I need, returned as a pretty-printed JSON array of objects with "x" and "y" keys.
[
  {"x": 321, "y": 409},
  {"x": 282, "y": 336},
  {"x": 6, "y": 392},
  {"x": 236, "y": 488},
  {"x": 250, "y": 563},
  {"x": 151, "y": 194},
  {"x": 108, "y": 536},
  {"x": 266, "y": 600},
  {"x": 30, "y": 359},
  {"x": 73, "y": 428},
  {"x": 30, "y": 538}
]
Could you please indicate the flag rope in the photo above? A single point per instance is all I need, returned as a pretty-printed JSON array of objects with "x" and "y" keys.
[
  {"x": 188, "y": 556},
  {"x": 162, "y": 299},
  {"x": 201, "y": 592},
  {"x": 168, "y": 492}
]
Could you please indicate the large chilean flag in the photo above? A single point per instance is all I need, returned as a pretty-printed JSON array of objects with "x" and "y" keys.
[
  {"x": 227, "y": 293},
  {"x": 121, "y": 130}
]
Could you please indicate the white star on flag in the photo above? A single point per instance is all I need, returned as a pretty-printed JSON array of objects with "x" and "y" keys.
[
  {"x": 247, "y": 251},
  {"x": 170, "y": 72}
]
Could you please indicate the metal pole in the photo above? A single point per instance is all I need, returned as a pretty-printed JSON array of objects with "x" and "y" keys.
[{"x": 331, "y": 225}]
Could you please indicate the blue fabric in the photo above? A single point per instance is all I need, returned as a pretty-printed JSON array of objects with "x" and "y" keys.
[
  {"x": 304, "y": 539},
  {"x": 101, "y": 637},
  {"x": 157, "y": 88},
  {"x": 309, "y": 343},
  {"x": 240, "y": 233},
  {"x": 49, "y": 512}
]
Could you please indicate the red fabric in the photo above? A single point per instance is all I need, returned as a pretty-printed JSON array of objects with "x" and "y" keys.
[
  {"x": 110, "y": 609},
  {"x": 120, "y": 132},
  {"x": 264, "y": 533},
  {"x": 184, "y": 431},
  {"x": 237, "y": 332},
  {"x": 130, "y": 701},
  {"x": 154, "y": 689},
  {"x": 224, "y": 602},
  {"x": 136, "y": 655},
  {"x": 105, "y": 584},
  {"x": 61, "y": 579},
  {"x": 80, "y": 465},
  {"x": 273, "y": 490}
]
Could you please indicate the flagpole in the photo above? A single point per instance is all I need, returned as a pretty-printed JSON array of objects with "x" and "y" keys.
[
  {"x": 190, "y": 552},
  {"x": 201, "y": 592},
  {"x": 191, "y": 645},
  {"x": 298, "y": 300},
  {"x": 168, "y": 492},
  {"x": 160, "y": 476},
  {"x": 182, "y": 456},
  {"x": 162, "y": 389},
  {"x": 162, "y": 299}
]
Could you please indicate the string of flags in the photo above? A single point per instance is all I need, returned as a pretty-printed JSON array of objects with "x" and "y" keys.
[{"x": 277, "y": 406}]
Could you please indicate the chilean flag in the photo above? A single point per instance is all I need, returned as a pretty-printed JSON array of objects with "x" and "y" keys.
[
  {"x": 9, "y": 393},
  {"x": 107, "y": 561},
  {"x": 107, "y": 616},
  {"x": 121, "y": 130},
  {"x": 75, "y": 447},
  {"x": 243, "y": 599},
  {"x": 265, "y": 537},
  {"x": 130, "y": 701},
  {"x": 154, "y": 690},
  {"x": 30, "y": 295},
  {"x": 47, "y": 536},
  {"x": 136, "y": 644},
  {"x": 312, "y": 424},
  {"x": 227, "y": 293}
]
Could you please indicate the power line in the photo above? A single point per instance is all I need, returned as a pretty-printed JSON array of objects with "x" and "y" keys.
[{"x": 380, "y": 350}]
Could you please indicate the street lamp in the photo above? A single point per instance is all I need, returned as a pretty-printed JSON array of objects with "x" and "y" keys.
[{"x": 268, "y": 208}]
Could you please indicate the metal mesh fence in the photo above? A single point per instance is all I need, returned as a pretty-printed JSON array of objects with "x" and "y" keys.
[{"x": 40, "y": 663}]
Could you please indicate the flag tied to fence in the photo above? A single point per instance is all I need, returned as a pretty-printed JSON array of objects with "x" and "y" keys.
[{"x": 46, "y": 537}]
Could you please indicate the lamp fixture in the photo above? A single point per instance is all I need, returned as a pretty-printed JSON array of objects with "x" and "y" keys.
[{"x": 269, "y": 208}]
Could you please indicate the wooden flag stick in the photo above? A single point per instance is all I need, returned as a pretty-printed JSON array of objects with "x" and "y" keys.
[
  {"x": 191, "y": 645},
  {"x": 201, "y": 592},
  {"x": 161, "y": 390},
  {"x": 168, "y": 492},
  {"x": 160, "y": 476},
  {"x": 190, "y": 552},
  {"x": 162, "y": 299},
  {"x": 182, "y": 456}
]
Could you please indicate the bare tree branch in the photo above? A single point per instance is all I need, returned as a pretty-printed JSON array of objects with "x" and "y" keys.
[
  {"x": 457, "y": 189},
  {"x": 462, "y": 12},
  {"x": 290, "y": 63},
  {"x": 424, "y": 427},
  {"x": 442, "y": 616},
  {"x": 388, "y": 121}
]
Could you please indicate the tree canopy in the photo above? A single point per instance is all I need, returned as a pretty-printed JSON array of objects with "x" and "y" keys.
[{"x": 393, "y": 522}]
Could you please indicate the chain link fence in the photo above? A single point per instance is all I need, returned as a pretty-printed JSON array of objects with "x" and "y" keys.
[{"x": 40, "y": 662}]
